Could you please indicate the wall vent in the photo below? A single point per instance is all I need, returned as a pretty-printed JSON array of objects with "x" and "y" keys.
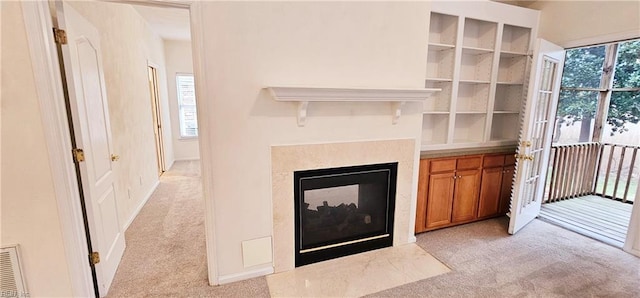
[{"x": 11, "y": 278}]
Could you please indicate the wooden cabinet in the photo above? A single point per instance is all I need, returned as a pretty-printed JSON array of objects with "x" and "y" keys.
[
  {"x": 448, "y": 191},
  {"x": 456, "y": 190},
  {"x": 439, "y": 207},
  {"x": 495, "y": 191}
]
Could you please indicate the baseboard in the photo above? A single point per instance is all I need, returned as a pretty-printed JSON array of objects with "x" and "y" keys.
[
  {"x": 412, "y": 239},
  {"x": 144, "y": 201},
  {"x": 225, "y": 279}
]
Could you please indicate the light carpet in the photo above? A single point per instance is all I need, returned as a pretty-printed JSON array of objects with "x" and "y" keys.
[{"x": 166, "y": 257}]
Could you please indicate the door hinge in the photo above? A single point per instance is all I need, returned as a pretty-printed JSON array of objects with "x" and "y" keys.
[
  {"x": 78, "y": 155},
  {"x": 94, "y": 258},
  {"x": 60, "y": 36}
]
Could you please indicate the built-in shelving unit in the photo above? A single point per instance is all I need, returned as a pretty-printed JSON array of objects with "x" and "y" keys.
[{"x": 480, "y": 62}]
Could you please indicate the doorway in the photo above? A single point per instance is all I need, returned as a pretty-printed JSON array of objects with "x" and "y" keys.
[
  {"x": 594, "y": 170},
  {"x": 144, "y": 149},
  {"x": 157, "y": 118}
]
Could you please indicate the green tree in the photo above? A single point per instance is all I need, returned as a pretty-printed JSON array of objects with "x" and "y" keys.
[{"x": 583, "y": 69}]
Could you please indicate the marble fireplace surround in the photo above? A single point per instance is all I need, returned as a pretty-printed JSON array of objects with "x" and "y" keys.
[{"x": 287, "y": 159}]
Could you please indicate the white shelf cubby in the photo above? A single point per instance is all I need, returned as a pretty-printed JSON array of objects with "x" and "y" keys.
[
  {"x": 472, "y": 97},
  {"x": 469, "y": 128},
  {"x": 502, "y": 127},
  {"x": 440, "y": 102},
  {"x": 515, "y": 39},
  {"x": 440, "y": 63},
  {"x": 435, "y": 128},
  {"x": 443, "y": 29},
  {"x": 508, "y": 98},
  {"x": 476, "y": 67},
  {"x": 511, "y": 69},
  {"x": 479, "y": 34}
]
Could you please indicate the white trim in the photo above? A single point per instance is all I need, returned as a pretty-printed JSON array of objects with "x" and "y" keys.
[
  {"x": 632, "y": 243},
  {"x": 225, "y": 279},
  {"x": 412, "y": 239},
  {"x": 142, "y": 203},
  {"x": 205, "y": 139},
  {"x": 601, "y": 39},
  {"x": 48, "y": 82}
]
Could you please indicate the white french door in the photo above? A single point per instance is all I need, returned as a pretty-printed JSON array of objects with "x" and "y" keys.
[{"x": 536, "y": 132}]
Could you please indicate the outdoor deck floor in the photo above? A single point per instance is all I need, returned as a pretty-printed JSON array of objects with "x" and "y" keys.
[{"x": 603, "y": 219}]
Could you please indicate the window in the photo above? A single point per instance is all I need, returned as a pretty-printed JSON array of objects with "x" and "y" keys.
[
  {"x": 587, "y": 83},
  {"x": 624, "y": 108},
  {"x": 577, "y": 104},
  {"x": 187, "y": 106}
]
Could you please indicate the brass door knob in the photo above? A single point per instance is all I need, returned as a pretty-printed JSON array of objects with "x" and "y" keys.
[{"x": 115, "y": 157}]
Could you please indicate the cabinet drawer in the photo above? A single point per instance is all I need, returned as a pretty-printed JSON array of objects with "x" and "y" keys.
[
  {"x": 442, "y": 165},
  {"x": 491, "y": 161},
  {"x": 473, "y": 162}
]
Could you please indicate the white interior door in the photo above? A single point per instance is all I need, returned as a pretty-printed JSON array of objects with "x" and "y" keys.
[
  {"x": 90, "y": 115},
  {"x": 535, "y": 136}
]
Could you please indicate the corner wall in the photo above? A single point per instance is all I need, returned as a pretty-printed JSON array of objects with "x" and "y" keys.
[
  {"x": 29, "y": 212},
  {"x": 179, "y": 60},
  {"x": 580, "y": 23},
  {"x": 249, "y": 46}
]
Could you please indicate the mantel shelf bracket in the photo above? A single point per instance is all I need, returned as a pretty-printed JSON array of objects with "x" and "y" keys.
[
  {"x": 302, "y": 113},
  {"x": 396, "y": 109}
]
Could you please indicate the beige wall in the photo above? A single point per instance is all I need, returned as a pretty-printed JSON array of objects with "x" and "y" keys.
[
  {"x": 127, "y": 46},
  {"x": 179, "y": 60},
  {"x": 249, "y": 46},
  {"x": 578, "y": 23},
  {"x": 29, "y": 208}
]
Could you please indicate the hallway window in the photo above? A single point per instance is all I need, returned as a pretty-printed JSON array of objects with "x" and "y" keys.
[{"x": 187, "y": 106}]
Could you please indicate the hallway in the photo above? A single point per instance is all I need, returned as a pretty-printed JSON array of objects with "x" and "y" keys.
[{"x": 166, "y": 241}]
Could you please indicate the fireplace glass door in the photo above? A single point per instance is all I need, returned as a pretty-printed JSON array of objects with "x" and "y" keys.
[{"x": 342, "y": 211}]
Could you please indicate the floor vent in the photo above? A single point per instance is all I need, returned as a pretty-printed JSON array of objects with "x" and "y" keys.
[{"x": 11, "y": 278}]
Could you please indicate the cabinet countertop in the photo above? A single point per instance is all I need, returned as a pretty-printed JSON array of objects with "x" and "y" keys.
[{"x": 465, "y": 151}]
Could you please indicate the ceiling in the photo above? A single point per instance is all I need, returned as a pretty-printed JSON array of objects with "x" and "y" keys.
[
  {"x": 173, "y": 23},
  {"x": 168, "y": 23}
]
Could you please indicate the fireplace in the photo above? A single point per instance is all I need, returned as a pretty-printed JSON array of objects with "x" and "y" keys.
[{"x": 343, "y": 211}]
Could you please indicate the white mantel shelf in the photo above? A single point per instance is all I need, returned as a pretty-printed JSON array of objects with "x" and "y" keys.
[{"x": 304, "y": 95}]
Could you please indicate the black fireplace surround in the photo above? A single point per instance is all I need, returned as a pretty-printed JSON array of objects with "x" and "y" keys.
[{"x": 343, "y": 211}]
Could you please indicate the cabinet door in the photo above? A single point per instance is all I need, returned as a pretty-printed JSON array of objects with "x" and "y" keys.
[
  {"x": 489, "y": 204},
  {"x": 439, "y": 199},
  {"x": 421, "y": 206},
  {"x": 505, "y": 192},
  {"x": 465, "y": 199}
]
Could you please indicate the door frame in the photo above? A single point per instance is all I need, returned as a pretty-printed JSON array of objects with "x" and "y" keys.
[
  {"x": 156, "y": 109},
  {"x": 46, "y": 70}
]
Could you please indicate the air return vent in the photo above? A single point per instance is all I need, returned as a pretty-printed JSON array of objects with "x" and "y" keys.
[{"x": 12, "y": 280}]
